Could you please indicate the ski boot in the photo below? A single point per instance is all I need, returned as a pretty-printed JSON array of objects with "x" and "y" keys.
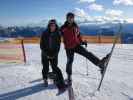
[
  {"x": 62, "y": 89},
  {"x": 103, "y": 63},
  {"x": 45, "y": 82}
]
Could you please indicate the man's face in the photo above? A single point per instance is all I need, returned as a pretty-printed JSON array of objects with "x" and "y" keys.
[{"x": 70, "y": 19}]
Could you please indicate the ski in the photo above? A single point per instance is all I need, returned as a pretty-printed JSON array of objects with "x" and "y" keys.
[{"x": 108, "y": 60}]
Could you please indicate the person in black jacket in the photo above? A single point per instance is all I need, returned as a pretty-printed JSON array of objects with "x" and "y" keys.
[{"x": 50, "y": 46}]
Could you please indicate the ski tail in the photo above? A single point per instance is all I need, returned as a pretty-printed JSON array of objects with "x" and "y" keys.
[{"x": 71, "y": 93}]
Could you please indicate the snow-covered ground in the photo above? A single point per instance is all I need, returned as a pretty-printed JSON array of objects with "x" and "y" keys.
[{"x": 23, "y": 81}]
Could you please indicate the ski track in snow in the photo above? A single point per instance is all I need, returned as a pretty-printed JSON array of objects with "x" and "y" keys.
[{"x": 24, "y": 81}]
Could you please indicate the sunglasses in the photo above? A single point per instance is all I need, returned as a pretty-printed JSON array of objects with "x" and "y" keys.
[{"x": 52, "y": 25}]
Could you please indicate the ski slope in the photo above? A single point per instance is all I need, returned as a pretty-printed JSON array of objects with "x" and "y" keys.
[{"x": 24, "y": 81}]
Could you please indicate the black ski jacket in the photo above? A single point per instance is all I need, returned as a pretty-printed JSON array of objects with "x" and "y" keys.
[{"x": 50, "y": 43}]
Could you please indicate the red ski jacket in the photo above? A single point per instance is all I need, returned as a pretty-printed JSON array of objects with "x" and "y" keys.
[{"x": 71, "y": 36}]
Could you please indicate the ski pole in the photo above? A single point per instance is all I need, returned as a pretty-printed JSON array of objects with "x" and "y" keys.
[{"x": 87, "y": 73}]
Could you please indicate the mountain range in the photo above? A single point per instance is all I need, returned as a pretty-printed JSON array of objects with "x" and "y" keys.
[{"x": 86, "y": 28}]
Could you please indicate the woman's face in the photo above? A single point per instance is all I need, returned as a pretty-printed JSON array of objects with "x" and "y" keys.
[
  {"x": 52, "y": 27},
  {"x": 70, "y": 20}
]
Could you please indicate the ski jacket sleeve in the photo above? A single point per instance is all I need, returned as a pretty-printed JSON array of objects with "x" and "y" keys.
[
  {"x": 58, "y": 42},
  {"x": 78, "y": 34},
  {"x": 43, "y": 42}
]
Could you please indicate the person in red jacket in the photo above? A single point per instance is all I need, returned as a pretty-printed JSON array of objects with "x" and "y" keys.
[{"x": 72, "y": 41}]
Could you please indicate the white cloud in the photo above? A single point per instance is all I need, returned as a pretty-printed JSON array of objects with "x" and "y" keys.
[
  {"x": 86, "y": 1},
  {"x": 123, "y": 2},
  {"x": 81, "y": 13},
  {"x": 107, "y": 19},
  {"x": 113, "y": 13},
  {"x": 83, "y": 16},
  {"x": 96, "y": 7}
]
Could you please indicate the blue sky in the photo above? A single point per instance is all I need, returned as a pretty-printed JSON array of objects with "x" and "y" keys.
[{"x": 19, "y": 12}]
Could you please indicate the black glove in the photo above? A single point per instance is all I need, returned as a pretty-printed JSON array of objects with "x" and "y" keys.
[{"x": 84, "y": 43}]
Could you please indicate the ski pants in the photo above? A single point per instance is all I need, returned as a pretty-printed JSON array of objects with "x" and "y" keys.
[
  {"x": 82, "y": 51},
  {"x": 55, "y": 68}
]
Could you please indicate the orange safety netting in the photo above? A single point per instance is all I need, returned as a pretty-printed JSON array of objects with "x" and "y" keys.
[{"x": 11, "y": 52}]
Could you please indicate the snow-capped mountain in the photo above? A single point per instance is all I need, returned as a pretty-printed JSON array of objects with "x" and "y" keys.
[{"x": 86, "y": 27}]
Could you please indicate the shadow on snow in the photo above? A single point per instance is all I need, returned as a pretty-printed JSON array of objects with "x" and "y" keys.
[{"x": 25, "y": 91}]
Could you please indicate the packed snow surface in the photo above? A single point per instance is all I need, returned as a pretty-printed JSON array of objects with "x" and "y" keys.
[{"x": 24, "y": 81}]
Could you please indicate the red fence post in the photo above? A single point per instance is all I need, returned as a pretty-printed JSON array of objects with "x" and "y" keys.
[{"x": 24, "y": 55}]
